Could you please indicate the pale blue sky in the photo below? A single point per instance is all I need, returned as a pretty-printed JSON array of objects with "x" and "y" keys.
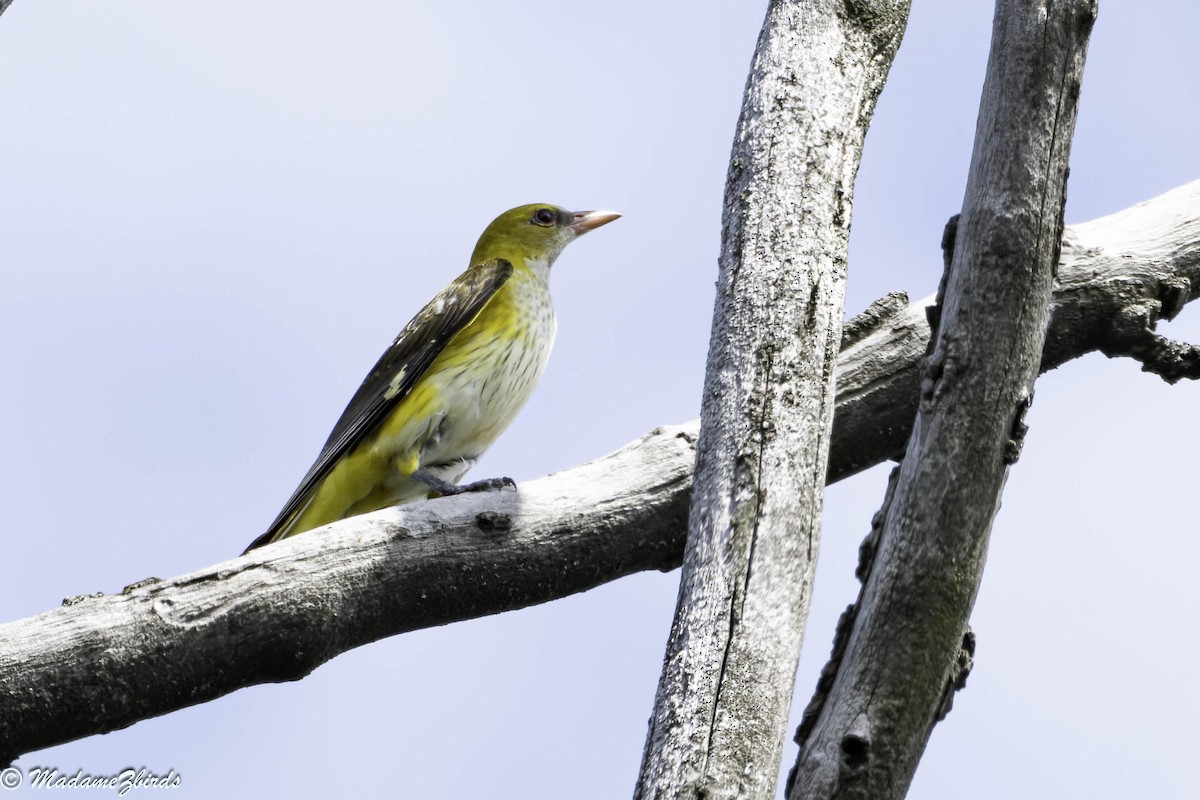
[{"x": 214, "y": 217}]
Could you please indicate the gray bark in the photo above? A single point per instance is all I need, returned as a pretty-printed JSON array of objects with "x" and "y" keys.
[
  {"x": 1117, "y": 277},
  {"x": 100, "y": 663},
  {"x": 907, "y": 646},
  {"x": 103, "y": 663},
  {"x": 721, "y": 709}
]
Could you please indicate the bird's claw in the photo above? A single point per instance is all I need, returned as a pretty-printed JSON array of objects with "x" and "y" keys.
[
  {"x": 488, "y": 485},
  {"x": 445, "y": 488}
]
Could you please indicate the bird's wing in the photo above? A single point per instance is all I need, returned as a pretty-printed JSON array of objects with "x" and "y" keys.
[{"x": 397, "y": 372}]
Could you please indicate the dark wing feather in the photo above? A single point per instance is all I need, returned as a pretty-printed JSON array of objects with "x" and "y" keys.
[{"x": 422, "y": 339}]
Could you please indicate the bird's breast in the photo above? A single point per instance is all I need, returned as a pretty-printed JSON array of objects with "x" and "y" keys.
[{"x": 489, "y": 370}]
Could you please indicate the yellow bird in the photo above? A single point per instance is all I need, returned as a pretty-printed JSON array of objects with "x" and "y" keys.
[{"x": 451, "y": 382}]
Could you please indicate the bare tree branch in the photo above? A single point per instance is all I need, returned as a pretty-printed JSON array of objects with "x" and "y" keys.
[
  {"x": 1116, "y": 275},
  {"x": 721, "y": 710},
  {"x": 906, "y": 646},
  {"x": 1170, "y": 360},
  {"x": 103, "y": 663}
]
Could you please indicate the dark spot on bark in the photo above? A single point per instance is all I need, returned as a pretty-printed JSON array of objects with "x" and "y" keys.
[
  {"x": 1087, "y": 15},
  {"x": 855, "y": 752},
  {"x": 933, "y": 372},
  {"x": 75, "y": 599},
  {"x": 958, "y": 673},
  {"x": 1016, "y": 435},
  {"x": 133, "y": 587},
  {"x": 949, "y": 236},
  {"x": 493, "y": 521},
  {"x": 933, "y": 313},
  {"x": 1173, "y": 292}
]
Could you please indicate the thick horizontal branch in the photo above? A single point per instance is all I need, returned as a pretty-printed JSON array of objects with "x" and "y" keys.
[{"x": 103, "y": 663}]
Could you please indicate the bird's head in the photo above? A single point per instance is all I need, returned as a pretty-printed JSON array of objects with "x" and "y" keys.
[{"x": 535, "y": 234}]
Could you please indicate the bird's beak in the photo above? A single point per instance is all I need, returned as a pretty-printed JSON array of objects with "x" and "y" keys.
[{"x": 588, "y": 220}]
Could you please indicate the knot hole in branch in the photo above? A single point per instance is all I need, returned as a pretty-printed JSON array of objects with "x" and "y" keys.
[{"x": 856, "y": 752}]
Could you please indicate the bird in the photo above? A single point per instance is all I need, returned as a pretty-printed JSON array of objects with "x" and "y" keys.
[{"x": 450, "y": 383}]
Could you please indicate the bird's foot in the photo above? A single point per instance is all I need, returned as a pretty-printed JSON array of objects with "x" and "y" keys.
[
  {"x": 486, "y": 485},
  {"x": 445, "y": 488}
]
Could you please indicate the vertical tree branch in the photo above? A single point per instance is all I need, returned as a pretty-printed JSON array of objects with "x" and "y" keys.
[
  {"x": 900, "y": 650},
  {"x": 722, "y": 703}
]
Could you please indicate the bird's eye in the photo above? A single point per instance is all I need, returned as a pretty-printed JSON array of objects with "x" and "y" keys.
[{"x": 544, "y": 216}]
